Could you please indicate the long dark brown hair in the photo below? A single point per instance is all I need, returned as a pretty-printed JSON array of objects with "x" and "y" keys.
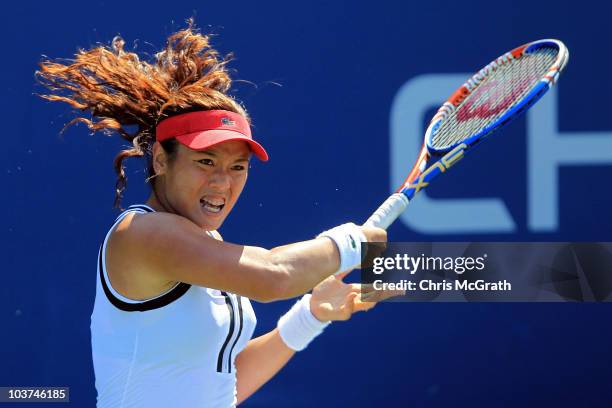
[{"x": 120, "y": 91}]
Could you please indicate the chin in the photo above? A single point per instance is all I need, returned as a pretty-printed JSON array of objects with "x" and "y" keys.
[
  {"x": 211, "y": 222},
  {"x": 211, "y": 225}
]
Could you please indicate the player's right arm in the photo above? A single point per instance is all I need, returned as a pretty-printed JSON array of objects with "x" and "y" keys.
[{"x": 172, "y": 248}]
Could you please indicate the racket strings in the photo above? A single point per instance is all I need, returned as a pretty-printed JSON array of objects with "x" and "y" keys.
[{"x": 497, "y": 94}]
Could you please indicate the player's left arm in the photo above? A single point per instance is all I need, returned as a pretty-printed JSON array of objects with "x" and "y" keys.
[
  {"x": 261, "y": 359},
  {"x": 331, "y": 300}
]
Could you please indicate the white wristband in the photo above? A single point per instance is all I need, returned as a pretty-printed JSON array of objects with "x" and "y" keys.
[
  {"x": 298, "y": 326},
  {"x": 348, "y": 238}
]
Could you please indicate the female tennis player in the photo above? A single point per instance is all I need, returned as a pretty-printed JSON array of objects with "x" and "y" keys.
[{"x": 172, "y": 321}]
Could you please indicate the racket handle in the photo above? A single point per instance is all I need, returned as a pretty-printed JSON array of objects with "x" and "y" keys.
[{"x": 388, "y": 212}]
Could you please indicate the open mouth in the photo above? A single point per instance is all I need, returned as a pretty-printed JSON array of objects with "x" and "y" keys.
[{"x": 214, "y": 206}]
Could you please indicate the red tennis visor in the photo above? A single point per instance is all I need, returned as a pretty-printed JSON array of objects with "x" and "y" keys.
[{"x": 203, "y": 129}]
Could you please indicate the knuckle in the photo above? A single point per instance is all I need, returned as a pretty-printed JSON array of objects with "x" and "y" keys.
[{"x": 383, "y": 235}]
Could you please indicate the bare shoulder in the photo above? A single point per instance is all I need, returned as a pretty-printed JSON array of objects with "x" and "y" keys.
[
  {"x": 143, "y": 236},
  {"x": 162, "y": 223},
  {"x": 130, "y": 248},
  {"x": 151, "y": 252}
]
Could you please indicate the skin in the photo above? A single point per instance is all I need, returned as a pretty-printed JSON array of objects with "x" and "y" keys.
[
  {"x": 217, "y": 174},
  {"x": 169, "y": 246}
]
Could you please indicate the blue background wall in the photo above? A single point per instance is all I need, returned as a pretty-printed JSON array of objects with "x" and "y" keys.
[{"x": 340, "y": 66}]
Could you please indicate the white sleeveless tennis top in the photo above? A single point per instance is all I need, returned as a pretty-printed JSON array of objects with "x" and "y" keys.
[{"x": 175, "y": 350}]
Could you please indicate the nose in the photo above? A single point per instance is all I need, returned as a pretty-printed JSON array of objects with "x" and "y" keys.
[{"x": 220, "y": 179}]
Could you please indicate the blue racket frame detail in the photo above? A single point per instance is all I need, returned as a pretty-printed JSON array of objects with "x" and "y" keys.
[{"x": 421, "y": 175}]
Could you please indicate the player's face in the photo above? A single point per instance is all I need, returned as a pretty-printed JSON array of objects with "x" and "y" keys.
[{"x": 204, "y": 185}]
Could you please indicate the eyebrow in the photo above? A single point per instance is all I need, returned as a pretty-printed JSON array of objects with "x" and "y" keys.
[{"x": 208, "y": 153}]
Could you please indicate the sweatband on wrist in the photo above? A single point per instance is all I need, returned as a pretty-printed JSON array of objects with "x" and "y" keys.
[
  {"x": 348, "y": 238},
  {"x": 298, "y": 326}
]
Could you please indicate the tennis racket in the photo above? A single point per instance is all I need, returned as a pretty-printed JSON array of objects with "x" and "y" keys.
[{"x": 491, "y": 98}]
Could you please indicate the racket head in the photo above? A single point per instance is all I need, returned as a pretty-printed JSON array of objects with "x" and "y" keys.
[{"x": 496, "y": 94}]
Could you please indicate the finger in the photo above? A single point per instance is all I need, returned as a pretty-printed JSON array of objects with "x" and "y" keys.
[
  {"x": 380, "y": 295},
  {"x": 355, "y": 287},
  {"x": 359, "y": 306},
  {"x": 350, "y": 302},
  {"x": 370, "y": 295},
  {"x": 367, "y": 297},
  {"x": 350, "y": 298},
  {"x": 363, "y": 306},
  {"x": 362, "y": 286},
  {"x": 341, "y": 275},
  {"x": 345, "y": 309},
  {"x": 367, "y": 287}
]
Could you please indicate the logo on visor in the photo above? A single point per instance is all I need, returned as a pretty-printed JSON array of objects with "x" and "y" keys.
[{"x": 228, "y": 122}]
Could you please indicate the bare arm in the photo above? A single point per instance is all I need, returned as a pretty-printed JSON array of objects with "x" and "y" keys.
[
  {"x": 262, "y": 358},
  {"x": 266, "y": 355},
  {"x": 175, "y": 249}
]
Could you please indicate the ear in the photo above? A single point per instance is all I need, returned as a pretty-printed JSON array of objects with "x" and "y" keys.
[{"x": 160, "y": 159}]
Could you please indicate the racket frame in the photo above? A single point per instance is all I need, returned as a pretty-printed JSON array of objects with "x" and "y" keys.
[{"x": 420, "y": 176}]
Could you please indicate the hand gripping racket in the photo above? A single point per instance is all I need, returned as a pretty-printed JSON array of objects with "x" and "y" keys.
[{"x": 491, "y": 98}]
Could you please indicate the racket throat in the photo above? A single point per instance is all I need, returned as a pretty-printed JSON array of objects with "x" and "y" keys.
[{"x": 422, "y": 180}]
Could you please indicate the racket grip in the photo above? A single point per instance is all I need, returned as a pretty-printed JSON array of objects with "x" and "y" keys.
[{"x": 388, "y": 212}]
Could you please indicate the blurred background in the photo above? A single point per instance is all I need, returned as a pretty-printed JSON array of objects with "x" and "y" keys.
[{"x": 333, "y": 88}]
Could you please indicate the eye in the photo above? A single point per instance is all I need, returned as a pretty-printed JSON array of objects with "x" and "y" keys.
[
  {"x": 239, "y": 167},
  {"x": 206, "y": 162}
]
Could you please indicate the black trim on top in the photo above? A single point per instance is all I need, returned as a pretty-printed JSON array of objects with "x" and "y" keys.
[
  {"x": 156, "y": 303},
  {"x": 140, "y": 207},
  {"x": 240, "y": 323},
  {"x": 131, "y": 208},
  {"x": 230, "y": 307}
]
